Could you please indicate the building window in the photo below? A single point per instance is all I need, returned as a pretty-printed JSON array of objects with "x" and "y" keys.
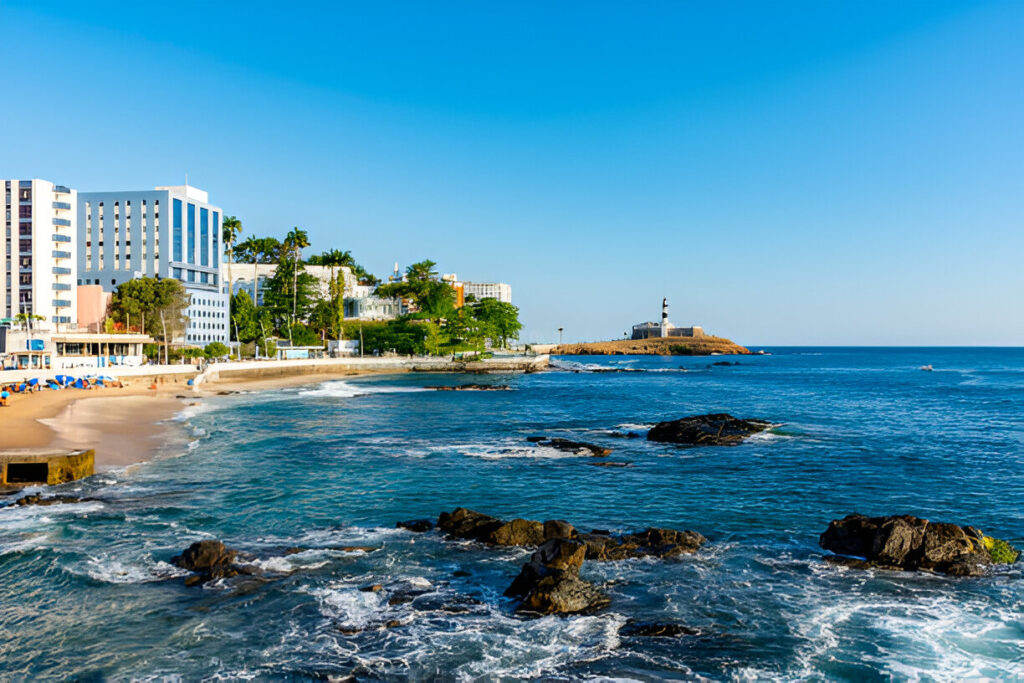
[
  {"x": 204, "y": 237},
  {"x": 176, "y": 227},
  {"x": 191, "y": 246}
]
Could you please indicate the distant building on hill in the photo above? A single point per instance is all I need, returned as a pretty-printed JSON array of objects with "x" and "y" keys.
[
  {"x": 478, "y": 290},
  {"x": 653, "y": 330}
]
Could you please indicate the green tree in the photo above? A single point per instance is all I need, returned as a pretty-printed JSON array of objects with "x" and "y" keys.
[
  {"x": 294, "y": 242},
  {"x": 497, "y": 320},
  {"x": 257, "y": 251},
  {"x": 216, "y": 350},
  {"x": 290, "y": 295},
  {"x": 158, "y": 305},
  {"x": 232, "y": 228}
]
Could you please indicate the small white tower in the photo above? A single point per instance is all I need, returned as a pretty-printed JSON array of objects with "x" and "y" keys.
[{"x": 664, "y": 317}]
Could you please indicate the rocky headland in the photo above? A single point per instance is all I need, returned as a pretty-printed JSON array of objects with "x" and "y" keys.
[{"x": 662, "y": 346}]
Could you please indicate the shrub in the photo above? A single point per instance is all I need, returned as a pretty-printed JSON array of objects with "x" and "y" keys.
[
  {"x": 1000, "y": 551},
  {"x": 216, "y": 350}
]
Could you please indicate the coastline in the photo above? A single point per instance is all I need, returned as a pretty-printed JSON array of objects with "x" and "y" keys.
[{"x": 127, "y": 425}]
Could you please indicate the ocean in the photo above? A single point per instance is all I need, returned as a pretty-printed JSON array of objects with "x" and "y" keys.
[{"x": 88, "y": 591}]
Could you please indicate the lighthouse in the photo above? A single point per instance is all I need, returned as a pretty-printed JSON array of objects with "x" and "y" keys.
[{"x": 664, "y": 317}]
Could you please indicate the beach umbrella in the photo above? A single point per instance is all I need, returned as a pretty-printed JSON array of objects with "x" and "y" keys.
[
  {"x": 104, "y": 378},
  {"x": 34, "y": 381},
  {"x": 65, "y": 379},
  {"x": 54, "y": 386},
  {"x": 21, "y": 387},
  {"x": 80, "y": 384}
]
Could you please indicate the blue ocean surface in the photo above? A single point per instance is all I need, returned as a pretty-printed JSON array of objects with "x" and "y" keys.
[{"x": 88, "y": 590}]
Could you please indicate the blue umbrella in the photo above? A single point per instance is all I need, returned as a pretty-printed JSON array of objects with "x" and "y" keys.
[
  {"x": 65, "y": 379},
  {"x": 80, "y": 384},
  {"x": 34, "y": 381},
  {"x": 54, "y": 386}
]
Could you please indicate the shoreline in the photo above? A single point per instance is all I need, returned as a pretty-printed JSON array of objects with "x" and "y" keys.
[{"x": 127, "y": 425}]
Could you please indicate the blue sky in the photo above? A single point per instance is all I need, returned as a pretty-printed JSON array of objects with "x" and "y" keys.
[{"x": 785, "y": 173}]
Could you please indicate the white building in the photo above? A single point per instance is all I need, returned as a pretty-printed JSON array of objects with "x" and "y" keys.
[
  {"x": 168, "y": 232},
  {"x": 252, "y": 278},
  {"x": 39, "y": 262},
  {"x": 480, "y": 290}
]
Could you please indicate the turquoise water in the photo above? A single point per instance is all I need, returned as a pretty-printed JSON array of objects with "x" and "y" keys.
[{"x": 88, "y": 592}]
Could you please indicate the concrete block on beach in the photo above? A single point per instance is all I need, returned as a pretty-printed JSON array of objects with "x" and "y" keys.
[{"x": 32, "y": 467}]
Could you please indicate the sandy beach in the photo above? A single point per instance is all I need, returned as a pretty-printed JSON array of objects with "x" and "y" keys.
[{"x": 121, "y": 424}]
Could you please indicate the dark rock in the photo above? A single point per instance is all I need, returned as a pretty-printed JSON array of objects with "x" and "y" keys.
[
  {"x": 577, "y": 447},
  {"x": 473, "y": 387},
  {"x": 36, "y": 499},
  {"x": 375, "y": 588},
  {"x": 558, "y": 528},
  {"x": 648, "y": 629},
  {"x": 355, "y": 548},
  {"x": 536, "y": 439},
  {"x": 624, "y": 435},
  {"x": 610, "y": 463},
  {"x": 719, "y": 429},
  {"x": 468, "y": 524},
  {"x": 461, "y": 573},
  {"x": 908, "y": 543},
  {"x": 210, "y": 560},
  {"x": 418, "y": 526},
  {"x": 724, "y": 363},
  {"x": 550, "y": 584},
  {"x": 661, "y": 543},
  {"x": 517, "y": 532}
]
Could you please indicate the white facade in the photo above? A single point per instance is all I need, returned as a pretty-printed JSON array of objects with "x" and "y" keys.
[
  {"x": 39, "y": 261},
  {"x": 488, "y": 290},
  {"x": 252, "y": 277},
  {"x": 167, "y": 232}
]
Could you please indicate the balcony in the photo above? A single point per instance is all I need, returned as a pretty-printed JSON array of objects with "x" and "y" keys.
[
  {"x": 62, "y": 221},
  {"x": 56, "y": 253},
  {"x": 61, "y": 303},
  {"x": 61, "y": 271},
  {"x": 60, "y": 287},
  {"x": 62, "y": 238},
  {"x": 60, "y": 189},
  {"x": 62, "y": 205}
]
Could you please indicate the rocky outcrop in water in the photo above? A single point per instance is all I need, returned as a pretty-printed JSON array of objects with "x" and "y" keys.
[
  {"x": 473, "y": 387},
  {"x": 577, "y": 447},
  {"x": 718, "y": 429},
  {"x": 36, "y": 499},
  {"x": 210, "y": 560},
  {"x": 550, "y": 583},
  {"x": 907, "y": 543},
  {"x": 475, "y": 526},
  {"x": 662, "y": 543},
  {"x": 418, "y": 526}
]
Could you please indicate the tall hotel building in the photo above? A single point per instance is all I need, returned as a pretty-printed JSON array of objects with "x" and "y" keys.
[
  {"x": 169, "y": 232},
  {"x": 38, "y": 262}
]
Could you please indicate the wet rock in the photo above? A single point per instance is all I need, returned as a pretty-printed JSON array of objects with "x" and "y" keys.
[
  {"x": 418, "y": 526},
  {"x": 550, "y": 584},
  {"x": 650, "y": 629},
  {"x": 355, "y": 548},
  {"x": 624, "y": 435},
  {"x": 724, "y": 363},
  {"x": 473, "y": 387},
  {"x": 468, "y": 524},
  {"x": 610, "y": 463},
  {"x": 210, "y": 560},
  {"x": 577, "y": 447},
  {"x": 719, "y": 429},
  {"x": 663, "y": 543},
  {"x": 375, "y": 588},
  {"x": 475, "y": 526},
  {"x": 908, "y": 543},
  {"x": 36, "y": 499}
]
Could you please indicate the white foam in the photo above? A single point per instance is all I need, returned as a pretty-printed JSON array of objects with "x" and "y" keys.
[
  {"x": 109, "y": 570},
  {"x": 343, "y": 389}
]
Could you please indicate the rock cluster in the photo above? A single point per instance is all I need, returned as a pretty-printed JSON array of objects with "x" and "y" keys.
[
  {"x": 473, "y": 387},
  {"x": 577, "y": 447},
  {"x": 550, "y": 583},
  {"x": 36, "y": 499},
  {"x": 210, "y": 560},
  {"x": 475, "y": 526},
  {"x": 718, "y": 429},
  {"x": 909, "y": 543}
]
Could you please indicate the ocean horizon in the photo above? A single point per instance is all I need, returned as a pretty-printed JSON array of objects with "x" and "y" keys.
[{"x": 311, "y": 481}]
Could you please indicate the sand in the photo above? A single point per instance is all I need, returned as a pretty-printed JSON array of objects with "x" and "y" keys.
[{"x": 121, "y": 424}]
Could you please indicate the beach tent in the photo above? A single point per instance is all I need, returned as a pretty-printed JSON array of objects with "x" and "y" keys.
[
  {"x": 55, "y": 386},
  {"x": 65, "y": 379},
  {"x": 80, "y": 384}
]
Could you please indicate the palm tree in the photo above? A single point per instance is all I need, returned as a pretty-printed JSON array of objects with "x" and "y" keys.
[
  {"x": 232, "y": 228},
  {"x": 294, "y": 242}
]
